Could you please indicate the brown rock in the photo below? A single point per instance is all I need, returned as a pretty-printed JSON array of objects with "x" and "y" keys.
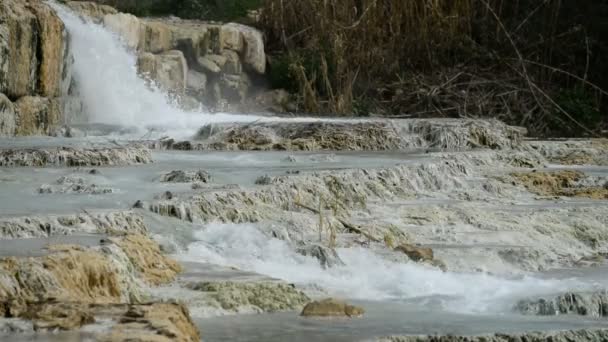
[
  {"x": 146, "y": 256},
  {"x": 32, "y": 48},
  {"x": 57, "y": 315},
  {"x": 36, "y": 115},
  {"x": 331, "y": 307},
  {"x": 156, "y": 322},
  {"x": 559, "y": 183},
  {"x": 416, "y": 253},
  {"x": 7, "y": 116}
]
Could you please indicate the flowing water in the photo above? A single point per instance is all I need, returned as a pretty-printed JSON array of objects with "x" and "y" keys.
[{"x": 400, "y": 298}]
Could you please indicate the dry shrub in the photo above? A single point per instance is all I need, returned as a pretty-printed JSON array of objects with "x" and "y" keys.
[{"x": 452, "y": 58}]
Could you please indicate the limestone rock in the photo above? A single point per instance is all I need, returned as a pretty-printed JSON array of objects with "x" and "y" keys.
[
  {"x": 53, "y": 315},
  {"x": 179, "y": 176},
  {"x": 7, "y": 117},
  {"x": 91, "y": 9},
  {"x": 159, "y": 322},
  {"x": 261, "y": 296},
  {"x": 327, "y": 256},
  {"x": 127, "y": 26},
  {"x": 331, "y": 308},
  {"x": 416, "y": 253},
  {"x": 69, "y": 156},
  {"x": 231, "y": 38},
  {"x": 92, "y": 222},
  {"x": 156, "y": 37},
  {"x": 233, "y": 63},
  {"x": 196, "y": 82},
  {"x": 36, "y": 115},
  {"x": 556, "y": 336},
  {"x": 32, "y": 49},
  {"x": 168, "y": 70},
  {"x": 252, "y": 50},
  {"x": 234, "y": 88},
  {"x": 208, "y": 65},
  {"x": 148, "y": 259},
  {"x": 593, "y": 304}
]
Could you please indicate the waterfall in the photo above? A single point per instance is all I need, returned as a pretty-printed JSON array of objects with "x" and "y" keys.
[{"x": 112, "y": 92}]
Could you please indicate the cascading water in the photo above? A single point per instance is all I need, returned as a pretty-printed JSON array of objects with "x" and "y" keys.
[
  {"x": 365, "y": 275},
  {"x": 112, "y": 92}
]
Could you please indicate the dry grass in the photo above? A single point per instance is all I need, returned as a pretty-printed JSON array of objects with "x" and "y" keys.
[{"x": 447, "y": 58}]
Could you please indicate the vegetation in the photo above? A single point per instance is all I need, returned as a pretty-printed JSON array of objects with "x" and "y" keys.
[
  {"x": 535, "y": 63},
  {"x": 221, "y": 10}
]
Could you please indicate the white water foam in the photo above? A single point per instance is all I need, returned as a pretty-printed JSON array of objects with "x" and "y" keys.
[
  {"x": 366, "y": 275},
  {"x": 105, "y": 72}
]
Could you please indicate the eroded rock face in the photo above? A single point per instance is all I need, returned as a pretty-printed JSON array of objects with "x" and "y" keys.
[
  {"x": 33, "y": 67},
  {"x": 69, "y": 156},
  {"x": 168, "y": 70},
  {"x": 34, "y": 41},
  {"x": 36, "y": 115},
  {"x": 331, "y": 308},
  {"x": 592, "y": 304}
]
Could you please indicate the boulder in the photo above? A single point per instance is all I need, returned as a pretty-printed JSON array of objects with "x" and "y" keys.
[
  {"x": 252, "y": 49},
  {"x": 327, "y": 256},
  {"x": 7, "y": 116},
  {"x": 416, "y": 253},
  {"x": 127, "y": 26},
  {"x": 168, "y": 70},
  {"x": 331, "y": 308},
  {"x": 36, "y": 115}
]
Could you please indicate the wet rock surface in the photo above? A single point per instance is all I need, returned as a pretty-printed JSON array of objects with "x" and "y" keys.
[
  {"x": 69, "y": 156},
  {"x": 362, "y": 135},
  {"x": 490, "y": 210},
  {"x": 593, "y": 304},
  {"x": 562, "y": 336},
  {"x": 251, "y": 296},
  {"x": 180, "y": 176},
  {"x": 331, "y": 308}
]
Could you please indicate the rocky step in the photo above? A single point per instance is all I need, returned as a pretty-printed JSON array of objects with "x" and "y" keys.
[
  {"x": 559, "y": 336},
  {"x": 96, "y": 222},
  {"x": 350, "y": 135},
  {"x": 592, "y": 304},
  {"x": 74, "y": 156}
]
